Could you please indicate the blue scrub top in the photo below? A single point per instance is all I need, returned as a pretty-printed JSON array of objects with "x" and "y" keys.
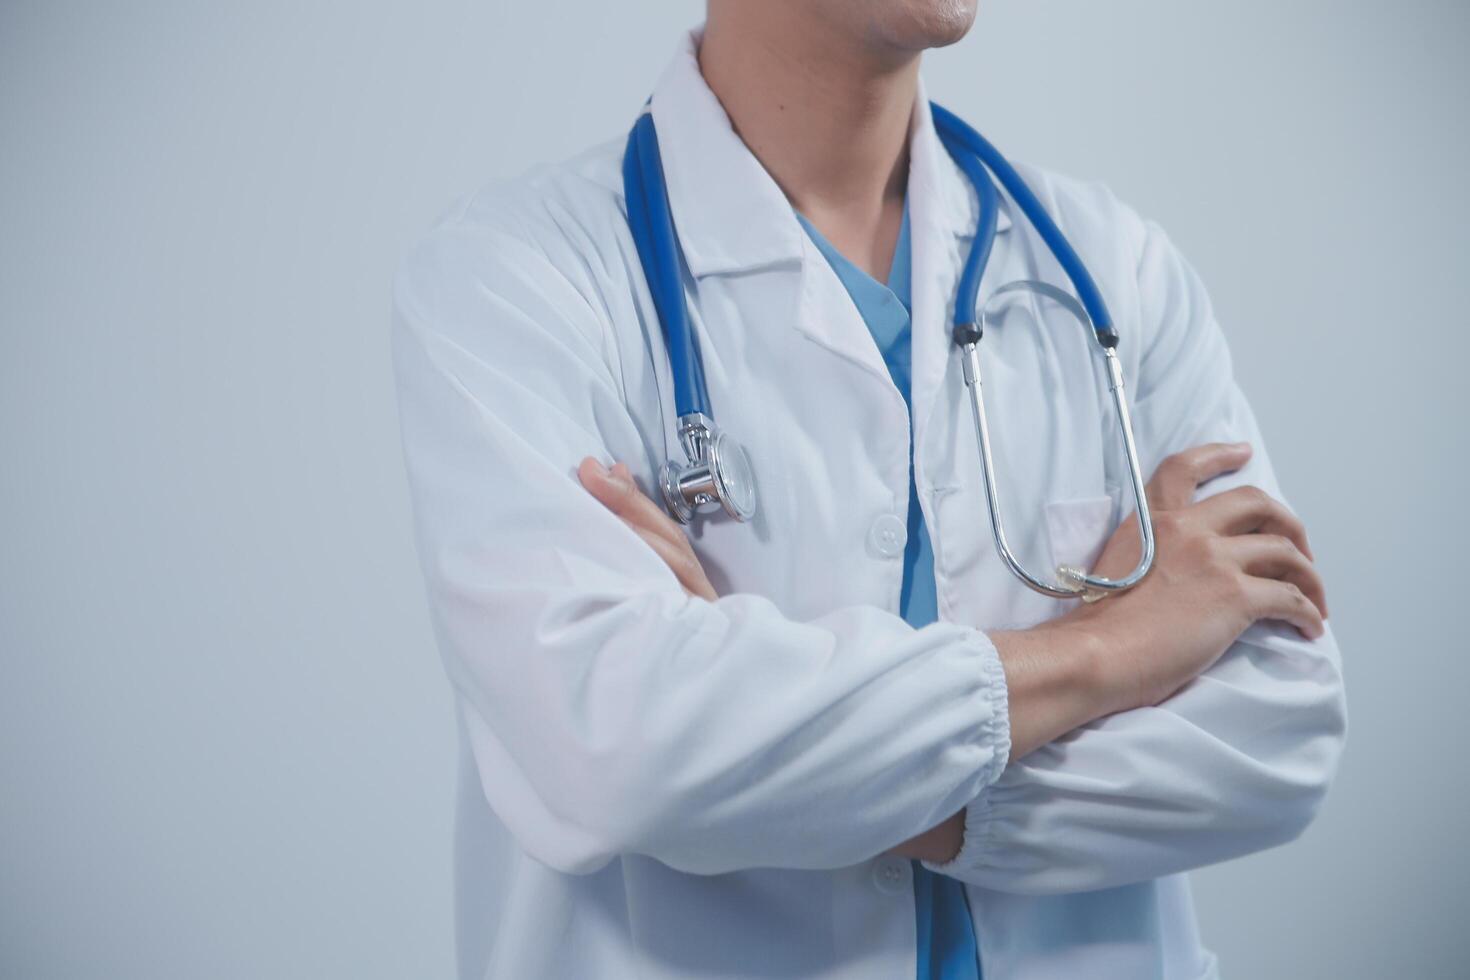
[{"x": 946, "y": 933}]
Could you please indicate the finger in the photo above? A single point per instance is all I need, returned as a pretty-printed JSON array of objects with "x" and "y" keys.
[
  {"x": 681, "y": 561},
  {"x": 619, "y": 494},
  {"x": 1276, "y": 556},
  {"x": 655, "y": 517},
  {"x": 1251, "y": 510},
  {"x": 1173, "y": 483},
  {"x": 1270, "y": 598}
]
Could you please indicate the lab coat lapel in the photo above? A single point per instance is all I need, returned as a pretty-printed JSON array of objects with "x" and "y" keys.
[{"x": 827, "y": 314}]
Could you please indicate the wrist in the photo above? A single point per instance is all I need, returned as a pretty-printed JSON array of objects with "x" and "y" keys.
[
  {"x": 1106, "y": 658},
  {"x": 1055, "y": 679}
]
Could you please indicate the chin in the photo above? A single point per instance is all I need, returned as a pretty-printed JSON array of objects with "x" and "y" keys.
[{"x": 915, "y": 25}]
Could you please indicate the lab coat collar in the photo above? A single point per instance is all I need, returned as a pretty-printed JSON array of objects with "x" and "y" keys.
[
  {"x": 730, "y": 214},
  {"x": 938, "y": 190}
]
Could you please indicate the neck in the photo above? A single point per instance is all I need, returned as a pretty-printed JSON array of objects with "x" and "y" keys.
[{"x": 827, "y": 116}]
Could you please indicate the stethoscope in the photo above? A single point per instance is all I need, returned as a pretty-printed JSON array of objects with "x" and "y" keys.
[{"x": 716, "y": 470}]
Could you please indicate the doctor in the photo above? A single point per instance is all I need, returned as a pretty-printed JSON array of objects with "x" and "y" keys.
[{"x": 841, "y": 740}]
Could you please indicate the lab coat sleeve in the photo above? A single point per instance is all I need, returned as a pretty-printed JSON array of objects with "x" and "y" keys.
[
  {"x": 1235, "y": 762},
  {"x": 609, "y": 712}
]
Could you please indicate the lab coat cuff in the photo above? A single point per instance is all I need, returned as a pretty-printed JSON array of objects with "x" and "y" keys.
[
  {"x": 996, "y": 727},
  {"x": 979, "y": 822},
  {"x": 979, "y": 827}
]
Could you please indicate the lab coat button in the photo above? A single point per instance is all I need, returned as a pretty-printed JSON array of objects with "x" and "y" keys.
[
  {"x": 892, "y": 875},
  {"x": 887, "y": 537}
]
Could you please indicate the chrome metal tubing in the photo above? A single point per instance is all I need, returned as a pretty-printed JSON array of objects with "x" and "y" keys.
[
  {"x": 1095, "y": 587},
  {"x": 1082, "y": 585}
]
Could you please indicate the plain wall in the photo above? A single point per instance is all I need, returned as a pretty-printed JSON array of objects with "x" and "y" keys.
[{"x": 226, "y": 746}]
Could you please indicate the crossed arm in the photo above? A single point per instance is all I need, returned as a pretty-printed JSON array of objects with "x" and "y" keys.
[
  {"x": 1222, "y": 563},
  {"x": 1196, "y": 718}
]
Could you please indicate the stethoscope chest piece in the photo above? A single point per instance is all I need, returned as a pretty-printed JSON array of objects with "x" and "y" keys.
[{"x": 716, "y": 471}]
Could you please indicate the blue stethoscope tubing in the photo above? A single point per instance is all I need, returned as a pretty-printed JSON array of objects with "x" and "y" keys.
[
  {"x": 716, "y": 469},
  {"x": 974, "y": 154},
  {"x": 652, "y": 225}
]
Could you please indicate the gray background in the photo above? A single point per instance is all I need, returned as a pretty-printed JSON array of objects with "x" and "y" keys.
[{"x": 226, "y": 747}]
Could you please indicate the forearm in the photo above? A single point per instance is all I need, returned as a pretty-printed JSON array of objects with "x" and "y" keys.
[
  {"x": 1236, "y": 762},
  {"x": 1054, "y": 682}
]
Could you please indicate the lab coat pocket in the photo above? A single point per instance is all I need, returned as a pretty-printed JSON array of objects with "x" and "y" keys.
[{"x": 1078, "y": 529}]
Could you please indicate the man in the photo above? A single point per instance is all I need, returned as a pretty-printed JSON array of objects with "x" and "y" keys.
[{"x": 841, "y": 740}]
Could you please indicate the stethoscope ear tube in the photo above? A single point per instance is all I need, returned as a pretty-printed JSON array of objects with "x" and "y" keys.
[
  {"x": 978, "y": 158},
  {"x": 1074, "y": 583},
  {"x": 1094, "y": 586}
]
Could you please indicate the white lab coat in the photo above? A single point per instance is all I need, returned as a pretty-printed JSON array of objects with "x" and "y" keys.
[{"x": 655, "y": 786}]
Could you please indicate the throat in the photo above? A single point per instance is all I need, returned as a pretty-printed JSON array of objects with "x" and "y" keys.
[{"x": 828, "y": 120}]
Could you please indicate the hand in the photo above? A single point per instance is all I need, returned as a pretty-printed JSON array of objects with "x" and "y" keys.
[
  {"x": 618, "y": 493},
  {"x": 1221, "y": 564}
]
